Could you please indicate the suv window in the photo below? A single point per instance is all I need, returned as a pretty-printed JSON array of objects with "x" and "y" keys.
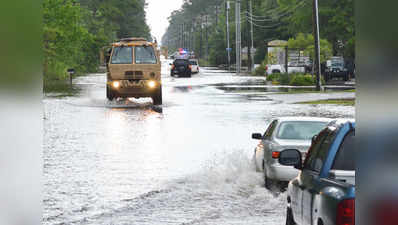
[
  {"x": 320, "y": 151},
  {"x": 312, "y": 153},
  {"x": 193, "y": 62},
  {"x": 181, "y": 62},
  {"x": 345, "y": 158},
  {"x": 122, "y": 55},
  {"x": 145, "y": 55}
]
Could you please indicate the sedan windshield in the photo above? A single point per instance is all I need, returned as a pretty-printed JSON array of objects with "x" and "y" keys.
[
  {"x": 145, "y": 55},
  {"x": 122, "y": 55},
  {"x": 299, "y": 130}
]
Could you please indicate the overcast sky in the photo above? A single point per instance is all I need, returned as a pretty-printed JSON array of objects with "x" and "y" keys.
[{"x": 157, "y": 13}]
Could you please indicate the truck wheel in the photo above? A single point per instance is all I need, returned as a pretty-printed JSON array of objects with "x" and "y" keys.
[
  {"x": 346, "y": 77},
  {"x": 109, "y": 93},
  {"x": 289, "y": 217},
  {"x": 157, "y": 97},
  {"x": 326, "y": 77}
]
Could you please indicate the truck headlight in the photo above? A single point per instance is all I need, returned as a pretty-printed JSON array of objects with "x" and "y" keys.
[
  {"x": 151, "y": 84},
  {"x": 116, "y": 84}
]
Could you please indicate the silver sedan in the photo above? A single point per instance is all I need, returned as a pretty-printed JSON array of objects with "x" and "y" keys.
[{"x": 284, "y": 133}]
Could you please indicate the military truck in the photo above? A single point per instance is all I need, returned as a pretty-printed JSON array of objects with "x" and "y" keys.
[{"x": 134, "y": 70}]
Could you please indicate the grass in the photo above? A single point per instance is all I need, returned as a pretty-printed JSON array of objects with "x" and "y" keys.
[
  {"x": 59, "y": 88},
  {"x": 345, "y": 102},
  {"x": 300, "y": 91}
]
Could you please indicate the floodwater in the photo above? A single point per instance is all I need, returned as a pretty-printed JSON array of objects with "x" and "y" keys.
[{"x": 186, "y": 162}]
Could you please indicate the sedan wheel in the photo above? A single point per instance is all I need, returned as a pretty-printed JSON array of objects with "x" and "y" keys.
[{"x": 289, "y": 217}]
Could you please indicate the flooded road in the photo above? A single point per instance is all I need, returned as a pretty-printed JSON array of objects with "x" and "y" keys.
[{"x": 187, "y": 162}]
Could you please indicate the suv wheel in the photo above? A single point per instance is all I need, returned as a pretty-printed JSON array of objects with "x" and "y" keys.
[
  {"x": 289, "y": 217},
  {"x": 109, "y": 93},
  {"x": 157, "y": 96}
]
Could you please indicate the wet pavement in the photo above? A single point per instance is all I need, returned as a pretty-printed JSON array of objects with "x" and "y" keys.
[{"x": 186, "y": 162}]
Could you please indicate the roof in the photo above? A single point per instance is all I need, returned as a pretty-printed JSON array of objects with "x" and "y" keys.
[
  {"x": 133, "y": 42},
  {"x": 303, "y": 118},
  {"x": 341, "y": 121}
]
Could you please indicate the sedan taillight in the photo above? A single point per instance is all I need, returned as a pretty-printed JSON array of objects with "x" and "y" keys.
[{"x": 275, "y": 155}]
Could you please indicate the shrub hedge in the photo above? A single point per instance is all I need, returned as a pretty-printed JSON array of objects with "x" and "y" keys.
[{"x": 293, "y": 79}]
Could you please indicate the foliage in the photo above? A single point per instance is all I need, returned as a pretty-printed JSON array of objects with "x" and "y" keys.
[
  {"x": 284, "y": 79},
  {"x": 306, "y": 42},
  {"x": 275, "y": 20},
  {"x": 293, "y": 79},
  {"x": 273, "y": 77},
  {"x": 75, "y": 31},
  {"x": 302, "y": 80},
  {"x": 260, "y": 70}
]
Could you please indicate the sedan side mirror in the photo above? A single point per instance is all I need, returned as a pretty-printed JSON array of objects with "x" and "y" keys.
[
  {"x": 291, "y": 157},
  {"x": 257, "y": 136}
]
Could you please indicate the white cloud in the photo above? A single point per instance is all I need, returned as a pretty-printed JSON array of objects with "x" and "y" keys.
[{"x": 157, "y": 13}]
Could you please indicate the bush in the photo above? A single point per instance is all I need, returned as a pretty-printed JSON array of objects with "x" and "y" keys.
[
  {"x": 302, "y": 80},
  {"x": 273, "y": 77},
  {"x": 293, "y": 79},
  {"x": 259, "y": 71},
  {"x": 284, "y": 79}
]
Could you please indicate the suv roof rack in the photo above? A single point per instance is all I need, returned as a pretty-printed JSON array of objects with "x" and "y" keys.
[{"x": 132, "y": 39}]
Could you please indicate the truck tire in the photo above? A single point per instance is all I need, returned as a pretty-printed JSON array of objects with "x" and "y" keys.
[
  {"x": 157, "y": 97},
  {"x": 289, "y": 217},
  {"x": 109, "y": 93},
  {"x": 346, "y": 77}
]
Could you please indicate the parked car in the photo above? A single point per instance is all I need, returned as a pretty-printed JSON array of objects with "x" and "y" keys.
[
  {"x": 336, "y": 67},
  {"x": 181, "y": 67},
  {"x": 324, "y": 191},
  {"x": 195, "y": 65},
  {"x": 276, "y": 68},
  {"x": 292, "y": 68},
  {"x": 284, "y": 133}
]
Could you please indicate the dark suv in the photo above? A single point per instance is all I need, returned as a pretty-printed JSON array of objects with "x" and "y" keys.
[
  {"x": 336, "y": 68},
  {"x": 181, "y": 67}
]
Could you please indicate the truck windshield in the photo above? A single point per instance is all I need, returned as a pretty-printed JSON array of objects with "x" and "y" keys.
[
  {"x": 122, "y": 55},
  {"x": 300, "y": 130},
  {"x": 345, "y": 158},
  {"x": 145, "y": 55},
  {"x": 337, "y": 64}
]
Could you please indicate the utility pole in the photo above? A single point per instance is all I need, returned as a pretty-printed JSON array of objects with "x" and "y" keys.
[
  {"x": 183, "y": 35},
  {"x": 252, "y": 38},
  {"x": 207, "y": 42},
  {"x": 317, "y": 45},
  {"x": 249, "y": 55},
  {"x": 238, "y": 37},
  {"x": 216, "y": 16},
  {"x": 201, "y": 35},
  {"x": 228, "y": 45}
]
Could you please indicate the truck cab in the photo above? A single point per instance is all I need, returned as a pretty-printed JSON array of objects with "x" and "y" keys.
[
  {"x": 324, "y": 191},
  {"x": 335, "y": 67},
  {"x": 134, "y": 70}
]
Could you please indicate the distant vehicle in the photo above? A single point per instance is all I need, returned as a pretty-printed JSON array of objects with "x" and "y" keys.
[
  {"x": 133, "y": 70},
  {"x": 181, "y": 67},
  {"x": 270, "y": 69},
  {"x": 324, "y": 191},
  {"x": 335, "y": 67},
  {"x": 284, "y": 133},
  {"x": 195, "y": 65}
]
